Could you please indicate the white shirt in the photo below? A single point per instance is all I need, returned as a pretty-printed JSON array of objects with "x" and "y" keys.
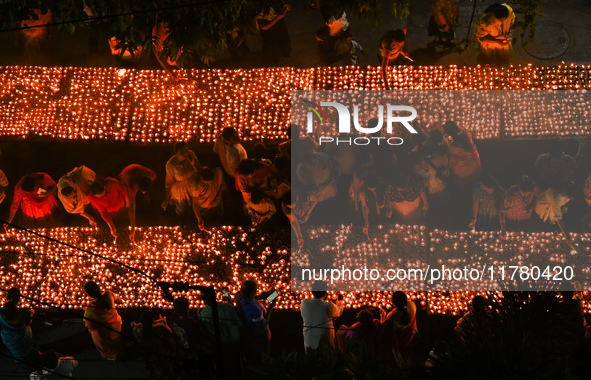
[
  {"x": 65, "y": 366},
  {"x": 354, "y": 52},
  {"x": 549, "y": 205},
  {"x": 230, "y": 155},
  {"x": 317, "y": 315}
]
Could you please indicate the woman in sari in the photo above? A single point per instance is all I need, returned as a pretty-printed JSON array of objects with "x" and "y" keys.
[
  {"x": 35, "y": 195},
  {"x": 464, "y": 160},
  {"x": 494, "y": 35},
  {"x": 182, "y": 172},
  {"x": 398, "y": 331},
  {"x": 103, "y": 321},
  {"x": 207, "y": 195},
  {"x": 318, "y": 173},
  {"x": 73, "y": 190}
]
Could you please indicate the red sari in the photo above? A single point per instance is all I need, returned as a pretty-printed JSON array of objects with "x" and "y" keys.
[
  {"x": 396, "y": 341},
  {"x": 464, "y": 160},
  {"x": 113, "y": 200},
  {"x": 39, "y": 203}
]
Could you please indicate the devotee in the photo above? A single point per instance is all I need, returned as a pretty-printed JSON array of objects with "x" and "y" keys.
[
  {"x": 15, "y": 326},
  {"x": 73, "y": 190},
  {"x": 318, "y": 173},
  {"x": 191, "y": 333},
  {"x": 135, "y": 178},
  {"x": 551, "y": 205},
  {"x": 3, "y": 183},
  {"x": 325, "y": 46},
  {"x": 230, "y": 328},
  {"x": 35, "y": 195},
  {"x": 361, "y": 170},
  {"x": 518, "y": 205},
  {"x": 259, "y": 207},
  {"x": 231, "y": 152},
  {"x": 349, "y": 49},
  {"x": 257, "y": 333},
  {"x": 494, "y": 35},
  {"x": 405, "y": 195},
  {"x": 479, "y": 312},
  {"x": 103, "y": 321},
  {"x": 318, "y": 314},
  {"x": 230, "y": 323},
  {"x": 274, "y": 34},
  {"x": 297, "y": 143},
  {"x": 160, "y": 343},
  {"x": 443, "y": 22},
  {"x": 487, "y": 196},
  {"x": 207, "y": 195},
  {"x": 392, "y": 52},
  {"x": 287, "y": 206},
  {"x": 153, "y": 332},
  {"x": 182, "y": 171},
  {"x": 464, "y": 160},
  {"x": 555, "y": 167},
  {"x": 363, "y": 332},
  {"x": 434, "y": 168},
  {"x": 108, "y": 198},
  {"x": 252, "y": 175},
  {"x": 397, "y": 334},
  {"x": 259, "y": 153}
]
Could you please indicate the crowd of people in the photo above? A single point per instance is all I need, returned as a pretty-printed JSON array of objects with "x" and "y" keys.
[
  {"x": 263, "y": 185},
  {"x": 335, "y": 44},
  {"x": 416, "y": 182},
  {"x": 434, "y": 178},
  {"x": 184, "y": 341}
]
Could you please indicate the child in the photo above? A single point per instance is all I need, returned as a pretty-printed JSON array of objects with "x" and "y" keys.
[{"x": 350, "y": 49}]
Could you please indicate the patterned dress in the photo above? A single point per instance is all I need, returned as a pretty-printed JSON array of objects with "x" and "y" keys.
[
  {"x": 518, "y": 207},
  {"x": 408, "y": 199}
]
